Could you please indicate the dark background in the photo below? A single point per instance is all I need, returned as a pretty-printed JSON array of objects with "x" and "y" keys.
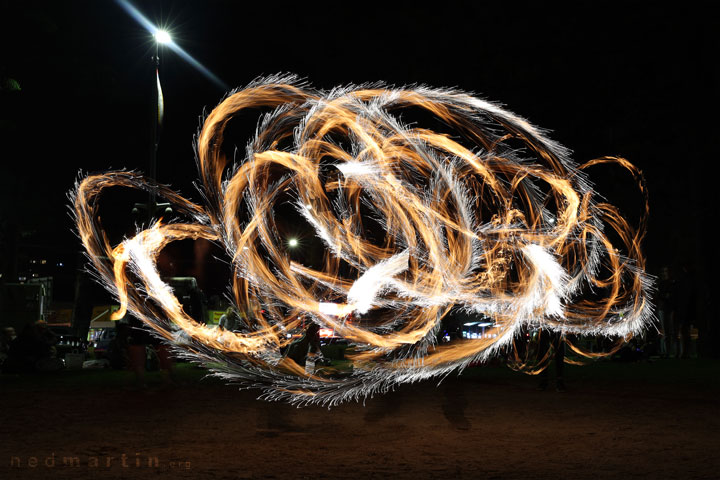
[{"x": 631, "y": 80}]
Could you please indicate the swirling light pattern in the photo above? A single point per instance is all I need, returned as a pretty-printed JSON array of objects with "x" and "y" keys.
[{"x": 489, "y": 216}]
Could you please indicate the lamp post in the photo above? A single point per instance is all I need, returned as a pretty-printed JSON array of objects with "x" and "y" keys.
[{"x": 161, "y": 37}]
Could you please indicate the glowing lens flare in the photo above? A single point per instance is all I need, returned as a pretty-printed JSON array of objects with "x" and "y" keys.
[
  {"x": 490, "y": 217},
  {"x": 161, "y": 36}
]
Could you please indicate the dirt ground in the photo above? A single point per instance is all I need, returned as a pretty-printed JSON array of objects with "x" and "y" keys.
[{"x": 651, "y": 420}]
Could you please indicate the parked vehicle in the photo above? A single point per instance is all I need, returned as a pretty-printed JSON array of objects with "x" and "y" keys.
[
  {"x": 67, "y": 342},
  {"x": 102, "y": 342}
]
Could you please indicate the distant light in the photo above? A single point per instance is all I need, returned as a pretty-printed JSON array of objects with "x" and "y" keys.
[
  {"x": 162, "y": 36},
  {"x": 293, "y": 242},
  {"x": 329, "y": 308}
]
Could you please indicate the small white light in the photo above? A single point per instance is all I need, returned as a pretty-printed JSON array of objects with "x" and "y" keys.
[
  {"x": 330, "y": 308},
  {"x": 161, "y": 36},
  {"x": 293, "y": 242}
]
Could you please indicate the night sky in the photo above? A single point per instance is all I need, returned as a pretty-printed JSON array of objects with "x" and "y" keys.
[{"x": 632, "y": 81}]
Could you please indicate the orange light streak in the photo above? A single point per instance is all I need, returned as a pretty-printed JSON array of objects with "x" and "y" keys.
[{"x": 491, "y": 217}]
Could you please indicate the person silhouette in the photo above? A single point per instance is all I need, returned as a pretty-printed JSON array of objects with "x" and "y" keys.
[{"x": 554, "y": 343}]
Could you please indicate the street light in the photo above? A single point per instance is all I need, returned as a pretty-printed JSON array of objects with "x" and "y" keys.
[
  {"x": 162, "y": 36},
  {"x": 293, "y": 242}
]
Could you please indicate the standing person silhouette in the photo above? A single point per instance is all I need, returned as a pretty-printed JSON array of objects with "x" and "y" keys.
[
  {"x": 555, "y": 341},
  {"x": 307, "y": 348},
  {"x": 667, "y": 312},
  {"x": 686, "y": 293}
]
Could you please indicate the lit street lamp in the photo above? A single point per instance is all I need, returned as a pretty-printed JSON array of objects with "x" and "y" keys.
[{"x": 162, "y": 37}]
